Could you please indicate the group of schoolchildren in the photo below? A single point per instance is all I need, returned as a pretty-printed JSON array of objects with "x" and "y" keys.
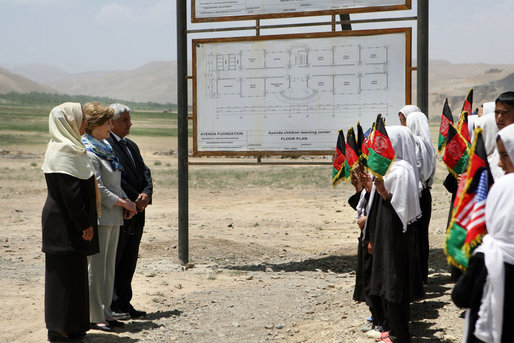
[{"x": 393, "y": 214}]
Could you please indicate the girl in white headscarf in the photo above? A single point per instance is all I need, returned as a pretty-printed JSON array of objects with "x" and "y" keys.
[
  {"x": 396, "y": 275},
  {"x": 505, "y": 143},
  {"x": 488, "y": 124},
  {"x": 69, "y": 225},
  {"x": 482, "y": 288},
  {"x": 406, "y": 111},
  {"x": 425, "y": 153}
]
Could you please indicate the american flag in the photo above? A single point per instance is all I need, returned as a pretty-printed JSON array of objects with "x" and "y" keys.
[{"x": 473, "y": 214}]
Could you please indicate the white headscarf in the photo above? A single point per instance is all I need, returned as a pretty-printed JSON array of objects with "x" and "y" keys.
[
  {"x": 490, "y": 131},
  {"x": 497, "y": 247},
  {"x": 65, "y": 152},
  {"x": 507, "y": 136},
  {"x": 488, "y": 124},
  {"x": 488, "y": 107},
  {"x": 402, "y": 180},
  {"x": 417, "y": 122},
  {"x": 408, "y": 109}
]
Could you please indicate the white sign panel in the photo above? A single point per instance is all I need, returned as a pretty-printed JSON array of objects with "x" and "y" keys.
[
  {"x": 219, "y": 9},
  {"x": 295, "y": 94}
]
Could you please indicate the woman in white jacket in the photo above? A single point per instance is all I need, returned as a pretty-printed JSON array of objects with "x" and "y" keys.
[{"x": 115, "y": 207}]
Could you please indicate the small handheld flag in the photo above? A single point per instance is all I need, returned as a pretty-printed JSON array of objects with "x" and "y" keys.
[
  {"x": 446, "y": 120},
  {"x": 339, "y": 160},
  {"x": 456, "y": 152},
  {"x": 463, "y": 126},
  {"x": 366, "y": 145},
  {"x": 360, "y": 138},
  {"x": 468, "y": 103},
  {"x": 351, "y": 153},
  {"x": 380, "y": 153}
]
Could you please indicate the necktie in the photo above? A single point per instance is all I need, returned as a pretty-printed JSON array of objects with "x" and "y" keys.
[{"x": 123, "y": 143}]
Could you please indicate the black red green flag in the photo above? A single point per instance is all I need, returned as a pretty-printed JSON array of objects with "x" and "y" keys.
[
  {"x": 351, "y": 153},
  {"x": 463, "y": 126},
  {"x": 446, "y": 120},
  {"x": 360, "y": 138},
  {"x": 338, "y": 171},
  {"x": 380, "y": 153},
  {"x": 478, "y": 154},
  {"x": 456, "y": 151},
  {"x": 366, "y": 145},
  {"x": 468, "y": 103}
]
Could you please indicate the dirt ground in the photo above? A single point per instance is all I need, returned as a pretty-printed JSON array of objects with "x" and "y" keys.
[{"x": 267, "y": 263}]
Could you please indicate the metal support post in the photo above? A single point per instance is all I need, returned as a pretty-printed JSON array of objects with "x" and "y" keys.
[
  {"x": 182, "y": 99},
  {"x": 422, "y": 59}
]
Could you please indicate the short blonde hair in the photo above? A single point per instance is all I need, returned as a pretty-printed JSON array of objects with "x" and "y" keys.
[{"x": 96, "y": 115}]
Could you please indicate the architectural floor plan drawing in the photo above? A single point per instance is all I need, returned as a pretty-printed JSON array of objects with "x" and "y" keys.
[
  {"x": 217, "y": 8},
  {"x": 282, "y": 85}
]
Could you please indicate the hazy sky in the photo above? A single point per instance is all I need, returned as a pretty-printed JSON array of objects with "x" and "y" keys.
[{"x": 85, "y": 35}]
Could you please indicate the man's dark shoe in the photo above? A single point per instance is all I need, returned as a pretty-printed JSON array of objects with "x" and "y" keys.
[{"x": 134, "y": 314}]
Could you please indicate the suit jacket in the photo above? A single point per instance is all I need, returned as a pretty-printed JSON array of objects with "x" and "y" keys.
[
  {"x": 135, "y": 179},
  {"x": 69, "y": 209},
  {"x": 109, "y": 183}
]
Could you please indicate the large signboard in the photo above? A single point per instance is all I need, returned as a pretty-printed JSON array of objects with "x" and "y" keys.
[
  {"x": 268, "y": 95},
  {"x": 221, "y": 10}
]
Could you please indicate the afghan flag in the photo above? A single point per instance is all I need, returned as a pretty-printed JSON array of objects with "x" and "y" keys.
[
  {"x": 338, "y": 171},
  {"x": 478, "y": 155},
  {"x": 380, "y": 153},
  {"x": 467, "y": 225},
  {"x": 360, "y": 138},
  {"x": 446, "y": 120},
  {"x": 468, "y": 103},
  {"x": 351, "y": 153},
  {"x": 456, "y": 152},
  {"x": 463, "y": 126},
  {"x": 366, "y": 145}
]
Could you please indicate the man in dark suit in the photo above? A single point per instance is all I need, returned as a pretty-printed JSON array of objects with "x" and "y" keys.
[{"x": 136, "y": 181}]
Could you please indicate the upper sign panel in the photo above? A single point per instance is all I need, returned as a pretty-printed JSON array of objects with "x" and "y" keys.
[{"x": 224, "y": 10}]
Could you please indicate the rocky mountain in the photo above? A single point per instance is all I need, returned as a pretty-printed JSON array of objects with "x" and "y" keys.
[
  {"x": 156, "y": 82},
  {"x": 452, "y": 81},
  {"x": 11, "y": 82}
]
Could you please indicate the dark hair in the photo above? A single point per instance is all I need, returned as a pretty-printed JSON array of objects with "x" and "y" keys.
[{"x": 506, "y": 98}]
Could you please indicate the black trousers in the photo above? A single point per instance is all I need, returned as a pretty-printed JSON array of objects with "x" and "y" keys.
[
  {"x": 126, "y": 261},
  {"x": 377, "y": 308},
  {"x": 424, "y": 248},
  {"x": 398, "y": 320},
  {"x": 66, "y": 293}
]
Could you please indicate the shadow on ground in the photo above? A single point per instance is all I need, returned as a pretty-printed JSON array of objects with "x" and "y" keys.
[
  {"x": 336, "y": 264},
  {"x": 423, "y": 312}
]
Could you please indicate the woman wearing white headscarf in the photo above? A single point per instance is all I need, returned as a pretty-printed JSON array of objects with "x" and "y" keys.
[
  {"x": 425, "y": 154},
  {"x": 396, "y": 275},
  {"x": 406, "y": 111},
  {"x": 69, "y": 225},
  {"x": 482, "y": 288},
  {"x": 505, "y": 144},
  {"x": 489, "y": 132}
]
